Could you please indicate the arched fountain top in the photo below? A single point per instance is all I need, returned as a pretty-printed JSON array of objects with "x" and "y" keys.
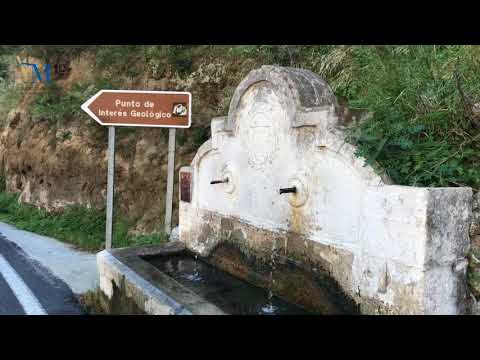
[
  {"x": 301, "y": 90},
  {"x": 304, "y": 100}
]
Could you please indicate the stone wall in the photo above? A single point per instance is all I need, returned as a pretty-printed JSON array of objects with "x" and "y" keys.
[
  {"x": 392, "y": 249},
  {"x": 474, "y": 258}
]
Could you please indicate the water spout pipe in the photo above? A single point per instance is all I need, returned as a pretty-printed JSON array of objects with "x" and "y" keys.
[
  {"x": 219, "y": 181},
  {"x": 288, "y": 190}
]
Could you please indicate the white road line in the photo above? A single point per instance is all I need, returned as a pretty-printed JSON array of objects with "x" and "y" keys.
[{"x": 25, "y": 296}]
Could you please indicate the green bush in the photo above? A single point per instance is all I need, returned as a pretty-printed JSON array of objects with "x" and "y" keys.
[
  {"x": 178, "y": 57},
  {"x": 9, "y": 98},
  {"x": 57, "y": 106},
  {"x": 3, "y": 184},
  {"x": 77, "y": 225},
  {"x": 200, "y": 135},
  {"x": 4, "y": 68},
  {"x": 421, "y": 131},
  {"x": 120, "y": 59},
  {"x": 53, "y": 53},
  {"x": 151, "y": 239}
]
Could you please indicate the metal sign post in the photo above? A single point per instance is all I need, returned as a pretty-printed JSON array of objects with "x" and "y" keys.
[
  {"x": 110, "y": 186},
  {"x": 171, "y": 168}
]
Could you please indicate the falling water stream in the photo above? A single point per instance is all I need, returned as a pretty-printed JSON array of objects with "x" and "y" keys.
[
  {"x": 270, "y": 308},
  {"x": 195, "y": 274},
  {"x": 229, "y": 293}
]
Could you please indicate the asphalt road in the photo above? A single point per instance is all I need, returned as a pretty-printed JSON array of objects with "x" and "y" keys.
[{"x": 29, "y": 288}]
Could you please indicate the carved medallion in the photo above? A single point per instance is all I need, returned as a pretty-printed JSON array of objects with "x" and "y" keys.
[{"x": 261, "y": 136}]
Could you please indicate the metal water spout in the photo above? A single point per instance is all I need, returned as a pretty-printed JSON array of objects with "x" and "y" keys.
[
  {"x": 292, "y": 189},
  {"x": 219, "y": 181}
]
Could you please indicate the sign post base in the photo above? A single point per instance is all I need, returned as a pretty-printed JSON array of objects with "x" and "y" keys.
[
  {"x": 171, "y": 168},
  {"x": 110, "y": 186}
]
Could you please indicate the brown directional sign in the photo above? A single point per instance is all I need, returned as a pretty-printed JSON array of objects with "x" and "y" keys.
[{"x": 140, "y": 108}]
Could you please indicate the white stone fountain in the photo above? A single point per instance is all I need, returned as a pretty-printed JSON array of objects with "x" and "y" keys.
[{"x": 389, "y": 249}]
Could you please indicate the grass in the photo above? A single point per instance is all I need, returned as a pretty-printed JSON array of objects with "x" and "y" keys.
[
  {"x": 82, "y": 227},
  {"x": 59, "y": 107},
  {"x": 9, "y": 98},
  {"x": 422, "y": 131},
  {"x": 151, "y": 239}
]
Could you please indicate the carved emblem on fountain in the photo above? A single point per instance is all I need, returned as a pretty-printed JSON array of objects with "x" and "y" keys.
[{"x": 260, "y": 131}]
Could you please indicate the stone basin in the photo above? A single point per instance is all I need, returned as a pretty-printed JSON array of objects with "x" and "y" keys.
[{"x": 169, "y": 279}]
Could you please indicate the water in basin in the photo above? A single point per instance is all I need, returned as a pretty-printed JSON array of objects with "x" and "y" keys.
[{"x": 227, "y": 292}]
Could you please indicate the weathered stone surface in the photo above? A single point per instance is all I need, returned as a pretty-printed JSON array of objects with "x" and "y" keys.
[
  {"x": 475, "y": 240},
  {"x": 474, "y": 272},
  {"x": 174, "y": 234},
  {"x": 119, "y": 282},
  {"x": 476, "y": 201},
  {"x": 448, "y": 223},
  {"x": 475, "y": 225},
  {"x": 392, "y": 249},
  {"x": 130, "y": 285},
  {"x": 476, "y": 308}
]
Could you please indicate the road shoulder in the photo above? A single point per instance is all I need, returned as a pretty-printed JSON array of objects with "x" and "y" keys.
[{"x": 78, "y": 269}]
